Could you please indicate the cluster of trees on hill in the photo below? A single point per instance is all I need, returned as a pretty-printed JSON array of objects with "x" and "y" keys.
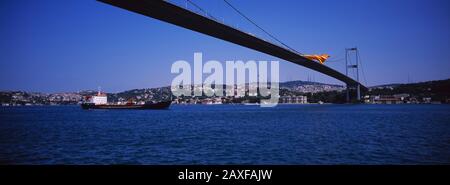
[{"x": 438, "y": 90}]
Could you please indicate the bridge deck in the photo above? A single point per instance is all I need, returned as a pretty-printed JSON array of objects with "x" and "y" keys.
[{"x": 173, "y": 14}]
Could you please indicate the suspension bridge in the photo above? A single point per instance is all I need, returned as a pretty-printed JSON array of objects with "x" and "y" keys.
[{"x": 209, "y": 25}]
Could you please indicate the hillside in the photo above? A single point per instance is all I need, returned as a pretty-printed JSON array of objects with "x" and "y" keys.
[{"x": 438, "y": 91}]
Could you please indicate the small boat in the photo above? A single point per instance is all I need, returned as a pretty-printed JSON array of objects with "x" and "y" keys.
[{"x": 251, "y": 103}]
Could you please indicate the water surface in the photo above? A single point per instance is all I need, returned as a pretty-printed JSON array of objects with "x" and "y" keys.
[{"x": 227, "y": 134}]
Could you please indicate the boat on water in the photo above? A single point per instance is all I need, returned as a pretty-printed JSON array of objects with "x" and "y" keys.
[
  {"x": 148, "y": 105},
  {"x": 251, "y": 104},
  {"x": 100, "y": 101}
]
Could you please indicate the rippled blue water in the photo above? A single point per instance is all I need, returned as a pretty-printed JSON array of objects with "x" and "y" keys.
[{"x": 227, "y": 134}]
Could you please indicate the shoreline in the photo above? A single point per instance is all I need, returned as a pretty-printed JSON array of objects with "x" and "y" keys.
[{"x": 242, "y": 104}]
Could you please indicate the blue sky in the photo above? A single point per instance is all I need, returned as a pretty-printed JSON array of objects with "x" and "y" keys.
[{"x": 55, "y": 46}]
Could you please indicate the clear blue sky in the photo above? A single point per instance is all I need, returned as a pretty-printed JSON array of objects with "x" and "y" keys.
[{"x": 54, "y": 46}]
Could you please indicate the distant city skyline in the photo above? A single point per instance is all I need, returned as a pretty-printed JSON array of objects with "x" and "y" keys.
[{"x": 63, "y": 46}]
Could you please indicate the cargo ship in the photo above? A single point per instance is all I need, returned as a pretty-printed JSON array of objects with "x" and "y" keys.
[{"x": 100, "y": 101}]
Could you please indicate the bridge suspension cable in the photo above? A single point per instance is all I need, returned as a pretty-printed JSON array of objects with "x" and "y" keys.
[
  {"x": 259, "y": 27},
  {"x": 362, "y": 70},
  {"x": 201, "y": 9}
]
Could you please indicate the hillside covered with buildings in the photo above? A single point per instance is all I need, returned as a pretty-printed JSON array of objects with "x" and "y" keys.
[{"x": 295, "y": 92}]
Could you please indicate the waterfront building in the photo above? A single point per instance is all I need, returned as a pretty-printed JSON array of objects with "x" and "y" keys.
[{"x": 294, "y": 99}]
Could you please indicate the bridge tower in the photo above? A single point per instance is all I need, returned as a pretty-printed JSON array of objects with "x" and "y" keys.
[{"x": 349, "y": 64}]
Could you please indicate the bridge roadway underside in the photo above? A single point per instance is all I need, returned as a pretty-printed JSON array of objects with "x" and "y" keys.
[{"x": 173, "y": 14}]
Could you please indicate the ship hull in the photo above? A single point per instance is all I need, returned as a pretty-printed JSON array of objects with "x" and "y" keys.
[{"x": 159, "y": 105}]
